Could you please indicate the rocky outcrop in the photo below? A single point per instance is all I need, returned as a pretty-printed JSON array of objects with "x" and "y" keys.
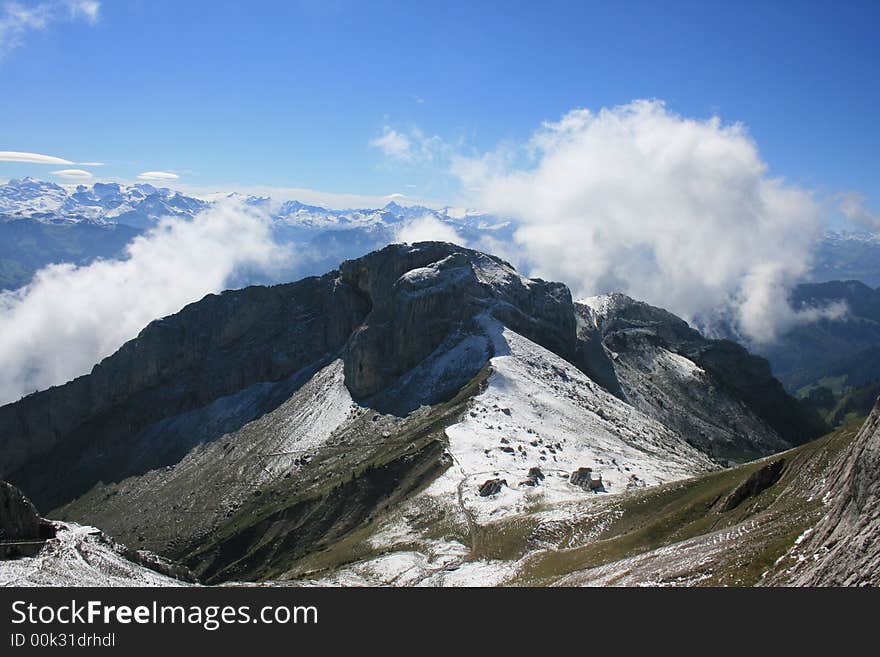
[
  {"x": 422, "y": 295},
  {"x": 759, "y": 481},
  {"x": 491, "y": 487},
  {"x": 750, "y": 378},
  {"x": 19, "y": 520},
  {"x": 534, "y": 477},
  {"x": 721, "y": 398},
  {"x": 586, "y": 479},
  {"x": 844, "y": 547}
]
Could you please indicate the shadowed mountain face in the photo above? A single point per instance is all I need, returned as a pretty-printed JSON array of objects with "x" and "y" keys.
[
  {"x": 839, "y": 353},
  {"x": 848, "y": 256},
  {"x": 261, "y": 425},
  {"x": 27, "y": 246},
  {"x": 669, "y": 370},
  {"x": 71, "y": 436}
]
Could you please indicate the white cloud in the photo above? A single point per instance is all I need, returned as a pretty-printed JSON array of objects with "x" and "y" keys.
[
  {"x": 31, "y": 158},
  {"x": 87, "y": 9},
  {"x": 679, "y": 212},
  {"x": 158, "y": 175},
  {"x": 18, "y": 19},
  {"x": 426, "y": 229},
  {"x": 412, "y": 146},
  {"x": 393, "y": 144},
  {"x": 38, "y": 158},
  {"x": 70, "y": 317},
  {"x": 73, "y": 174},
  {"x": 853, "y": 206}
]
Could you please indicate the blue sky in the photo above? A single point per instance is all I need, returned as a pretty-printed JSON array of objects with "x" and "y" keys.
[{"x": 291, "y": 94}]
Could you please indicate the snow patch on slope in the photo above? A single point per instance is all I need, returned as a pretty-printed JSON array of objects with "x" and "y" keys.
[
  {"x": 539, "y": 410},
  {"x": 79, "y": 556}
]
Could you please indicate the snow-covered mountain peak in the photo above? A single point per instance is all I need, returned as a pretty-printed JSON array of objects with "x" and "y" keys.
[{"x": 605, "y": 304}]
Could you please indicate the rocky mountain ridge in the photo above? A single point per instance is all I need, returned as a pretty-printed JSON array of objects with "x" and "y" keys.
[
  {"x": 278, "y": 421},
  {"x": 666, "y": 368}
]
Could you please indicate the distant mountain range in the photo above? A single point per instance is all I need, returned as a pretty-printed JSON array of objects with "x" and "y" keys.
[
  {"x": 844, "y": 256},
  {"x": 43, "y": 223},
  {"x": 335, "y": 234}
]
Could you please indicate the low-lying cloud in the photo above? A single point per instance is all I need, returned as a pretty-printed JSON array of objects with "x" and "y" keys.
[
  {"x": 679, "y": 212},
  {"x": 68, "y": 318},
  {"x": 428, "y": 229}
]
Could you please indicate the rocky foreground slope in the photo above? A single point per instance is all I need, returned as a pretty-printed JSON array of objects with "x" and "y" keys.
[
  {"x": 419, "y": 399},
  {"x": 843, "y": 549}
]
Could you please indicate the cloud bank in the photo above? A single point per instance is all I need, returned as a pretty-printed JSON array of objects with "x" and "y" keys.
[
  {"x": 679, "y": 212},
  {"x": 71, "y": 317}
]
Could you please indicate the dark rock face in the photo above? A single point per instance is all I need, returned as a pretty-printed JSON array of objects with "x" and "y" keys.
[
  {"x": 491, "y": 487},
  {"x": 22, "y": 530},
  {"x": 758, "y": 481},
  {"x": 19, "y": 520},
  {"x": 593, "y": 358},
  {"x": 211, "y": 348},
  {"x": 844, "y": 548},
  {"x": 751, "y": 379},
  {"x": 409, "y": 317}
]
